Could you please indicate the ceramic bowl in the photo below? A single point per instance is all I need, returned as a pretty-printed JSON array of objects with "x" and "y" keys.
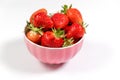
[{"x": 53, "y": 55}]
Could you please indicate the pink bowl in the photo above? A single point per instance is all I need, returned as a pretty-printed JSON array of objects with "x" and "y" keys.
[{"x": 53, "y": 55}]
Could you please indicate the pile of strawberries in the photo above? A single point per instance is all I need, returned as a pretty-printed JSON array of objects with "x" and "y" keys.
[{"x": 60, "y": 29}]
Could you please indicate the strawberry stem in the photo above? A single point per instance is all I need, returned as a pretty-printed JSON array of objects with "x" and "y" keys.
[
  {"x": 65, "y": 8},
  {"x": 58, "y": 33},
  {"x": 50, "y": 14},
  {"x": 85, "y": 25},
  {"x": 68, "y": 42},
  {"x": 35, "y": 29},
  {"x": 70, "y": 6}
]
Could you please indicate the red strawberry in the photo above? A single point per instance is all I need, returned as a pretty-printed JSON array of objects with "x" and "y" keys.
[
  {"x": 41, "y": 18},
  {"x": 52, "y": 38},
  {"x": 34, "y": 14},
  {"x": 75, "y": 30},
  {"x": 60, "y": 20},
  {"x": 73, "y": 14},
  {"x": 34, "y": 34}
]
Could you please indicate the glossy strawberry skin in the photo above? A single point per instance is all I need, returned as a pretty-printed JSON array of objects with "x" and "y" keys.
[
  {"x": 43, "y": 20},
  {"x": 74, "y": 15},
  {"x": 40, "y": 18},
  {"x": 33, "y": 36},
  {"x": 44, "y": 11},
  {"x": 60, "y": 20},
  {"x": 50, "y": 40},
  {"x": 75, "y": 30}
]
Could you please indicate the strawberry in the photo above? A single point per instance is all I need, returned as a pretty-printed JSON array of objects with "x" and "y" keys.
[
  {"x": 73, "y": 14},
  {"x": 60, "y": 20},
  {"x": 42, "y": 10},
  {"x": 75, "y": 30},
  {"x": 53, "y": 38},
  {"x": 41, "y": 19},
  {"x": 34, "y": 34}
]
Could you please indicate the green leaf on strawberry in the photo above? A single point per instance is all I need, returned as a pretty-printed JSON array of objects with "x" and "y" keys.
[
  {"x": 35, "y": 29},
  {"x": 58, "y": 33},
  {"x": 65, "y": 8},
  {"x": 84, "y": 25},
  {"x": 68, "y": 42}
]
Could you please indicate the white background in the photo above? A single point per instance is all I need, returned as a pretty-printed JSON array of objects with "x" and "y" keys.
[{"x": 99, "y": 58}]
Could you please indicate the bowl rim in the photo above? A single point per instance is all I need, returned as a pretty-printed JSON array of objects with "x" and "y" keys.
[{"x": 25, "y": 37}]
